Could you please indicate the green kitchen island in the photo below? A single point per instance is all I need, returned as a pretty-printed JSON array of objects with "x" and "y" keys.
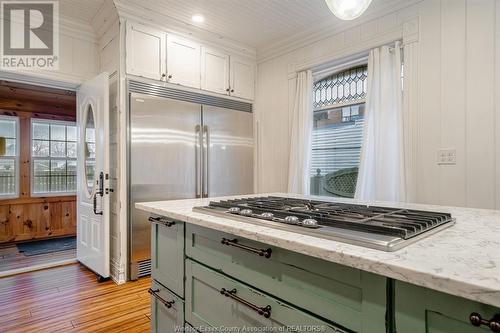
[{"x": 214, "y": 274}]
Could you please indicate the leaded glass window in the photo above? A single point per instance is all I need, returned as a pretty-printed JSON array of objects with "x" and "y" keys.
[
  {"x": 342, "y": 87},
  {"x": 337, "y": 137}
]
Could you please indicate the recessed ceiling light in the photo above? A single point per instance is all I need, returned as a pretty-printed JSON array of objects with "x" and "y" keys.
[{"x": 198, "y": 18}]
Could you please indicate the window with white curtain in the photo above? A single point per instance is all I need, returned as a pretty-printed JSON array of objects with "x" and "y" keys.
[
  {"x": 53, "y": 155},
  {"x": 339, "y": 108},
  {"x": 9, "y": 157}
]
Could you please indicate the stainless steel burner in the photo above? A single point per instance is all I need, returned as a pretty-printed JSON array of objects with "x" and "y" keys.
[{"x": 382, "y": 228}]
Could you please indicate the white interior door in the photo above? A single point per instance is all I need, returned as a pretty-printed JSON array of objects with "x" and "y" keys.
[{"x": 93, "y": 170}]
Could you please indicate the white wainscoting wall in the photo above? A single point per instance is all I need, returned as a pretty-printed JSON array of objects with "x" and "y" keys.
[{"x": 453, "y": 97}]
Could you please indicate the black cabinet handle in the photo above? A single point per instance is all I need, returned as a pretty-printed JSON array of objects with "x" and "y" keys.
[
  {"x": 227, "y": 89},
  {"x": 263, "y": 311},
  {"x": 161, "y": 221},
  {"x": 234, "y": 242},
  {"x": 494, "y": 323},
  {"x": 232, "y": 90},
  {"x": 168, "y": 304}
]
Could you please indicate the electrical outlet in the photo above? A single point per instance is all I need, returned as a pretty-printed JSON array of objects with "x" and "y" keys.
[{"x": 447, "y": 157}]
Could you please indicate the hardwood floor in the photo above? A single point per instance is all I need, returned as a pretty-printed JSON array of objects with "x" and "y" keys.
[
  {"x": 12, "y": 259},
  {"x": 69, "y": 299}
]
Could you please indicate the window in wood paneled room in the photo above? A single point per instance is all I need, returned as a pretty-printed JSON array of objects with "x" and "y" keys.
[
  {"x": 9, "y": 157},
  {"x": 53, "y": 153}
]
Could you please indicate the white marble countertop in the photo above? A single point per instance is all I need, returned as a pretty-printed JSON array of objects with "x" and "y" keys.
[{"x": 463, "y": 260}]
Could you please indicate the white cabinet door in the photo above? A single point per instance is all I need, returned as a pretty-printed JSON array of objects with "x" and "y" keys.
[
  {"x": 214, "y": 71},
  {"x": 242, "y": 78},
  {"x": 145, "y": 51},
  {"x": 183, "y": 62}
]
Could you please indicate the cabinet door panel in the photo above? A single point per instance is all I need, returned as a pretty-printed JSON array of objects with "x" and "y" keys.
[
  {"x": 167, "y": 256},
  {"x": 207, "y": 307},
  {"x": 145, "y": 51},
  {"x": 420, "y": 309},
  {"x": 242, "y": 78},
  {"x": 347, "y": 296},
  {"x": 183, "y": 62},
  {"x": 166, "y": 319},
  {"x": 214, "y": 71}
]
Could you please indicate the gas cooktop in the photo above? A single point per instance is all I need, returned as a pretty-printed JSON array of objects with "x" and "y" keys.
[{"x": 382, "y": 228}]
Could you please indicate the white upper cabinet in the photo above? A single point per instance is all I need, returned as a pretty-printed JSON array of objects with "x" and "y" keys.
[
  {"x": 145, "y": 51},
  {"x": 242, "y": 78},
  {"x": 159, "y": 55},
  {"x": 183, "y": 62},
  {"x": 214, "y": 71}
]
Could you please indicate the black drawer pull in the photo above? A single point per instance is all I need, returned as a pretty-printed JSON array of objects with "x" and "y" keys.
[
  {"x": 234, "y": 242},
  {"x": 494, "y": 323},
  {"x": 264, "y": 311},
  {"x": 166, "y": 303},
  {"x": 159, "y": 220}
]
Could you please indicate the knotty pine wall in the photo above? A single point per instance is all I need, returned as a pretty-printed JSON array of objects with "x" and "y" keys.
[{"x": 27, "y": 218}]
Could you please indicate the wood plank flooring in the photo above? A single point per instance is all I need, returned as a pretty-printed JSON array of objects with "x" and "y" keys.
[
  {"x": 11, "y": 258},
  {"x": 69, "y": 299}
]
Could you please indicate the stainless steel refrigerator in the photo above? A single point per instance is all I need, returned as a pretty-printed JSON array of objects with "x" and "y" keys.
[{"x": 181, "y": 149}]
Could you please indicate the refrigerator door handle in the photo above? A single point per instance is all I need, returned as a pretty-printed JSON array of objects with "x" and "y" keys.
[
  {"x": 206, "y": 148},
  {"x": 198, "y": 145}
]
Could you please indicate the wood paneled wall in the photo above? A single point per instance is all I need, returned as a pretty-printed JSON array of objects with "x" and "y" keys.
[{"x": 26, "y": 217}]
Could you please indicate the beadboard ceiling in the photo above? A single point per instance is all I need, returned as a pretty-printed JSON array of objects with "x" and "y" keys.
[
  {"x": 252, "y": 22},
  {"x": 82, "y": 11},
  {"x": 260, "y": 24}
]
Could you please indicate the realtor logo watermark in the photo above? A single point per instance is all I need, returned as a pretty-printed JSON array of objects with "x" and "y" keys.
[{"x": 30, "y": 35}]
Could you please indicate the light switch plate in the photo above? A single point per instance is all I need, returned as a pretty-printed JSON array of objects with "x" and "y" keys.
[{"x": 447, "y": 157}]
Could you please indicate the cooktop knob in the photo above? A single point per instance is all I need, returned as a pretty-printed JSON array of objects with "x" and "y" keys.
[
  {"x": 234, "y": 210},
  {"x": 246, "y": 212},
  {"x": 310, "y": 223},
  {"x": 267, "y": 215},
  {"x": 291, "y": 219}
]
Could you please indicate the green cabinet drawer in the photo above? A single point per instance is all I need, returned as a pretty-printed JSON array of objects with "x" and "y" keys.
[
  {"x": 167, "y": 310},
  {"x": 424, "y": 310},
  {"x": 167, "y": 254},
  {"x": 349, "y": 297},
  {"x": 208, "y": 309}
]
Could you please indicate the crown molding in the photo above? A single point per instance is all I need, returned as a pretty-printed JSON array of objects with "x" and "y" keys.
[
  {"x": 155, "y": 19},
  {"x": 327, "y": 29}
]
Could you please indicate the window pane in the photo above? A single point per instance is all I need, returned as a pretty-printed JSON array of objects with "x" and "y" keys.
[
  {"x": 58, "y": 176},
  {"x": 41, "y": 176},
  {"x": 40, "y": 131},
  {"x": 71, "y": 150},
  {"x": 7, "y": 128},
  {"x": 346, "y": 86},
  {"x": 10, "y": 147},
  {"x": 71, "y": 176},
  {"x": 90, "y": 150},
  {"x": 40, "y": 148},
  {"x": 7, "y": 177},
  {"x": 89, "y": 169},
  {"x": 336, "y": 147},
  {"x": 57, "y": 149},
  {"x": 58, "y": 132},
  {"x": 71, "y": 130}
]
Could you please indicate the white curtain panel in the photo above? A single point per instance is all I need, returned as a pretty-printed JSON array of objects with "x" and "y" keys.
[
  {"x": 300, "y": 142},
  {"x": 382, "y": 168}
]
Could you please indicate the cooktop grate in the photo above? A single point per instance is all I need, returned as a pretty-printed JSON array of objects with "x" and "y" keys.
[{"x": 397, "y": 222}]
